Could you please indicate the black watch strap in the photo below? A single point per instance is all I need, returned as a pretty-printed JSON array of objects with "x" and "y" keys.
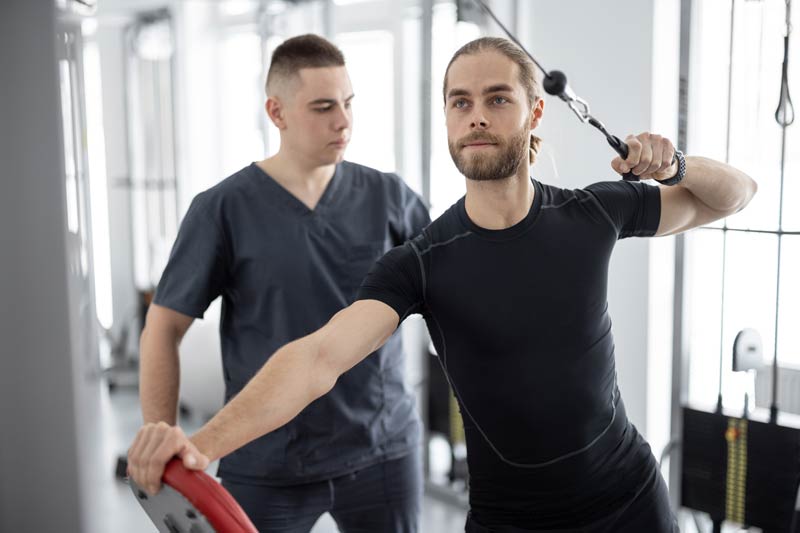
[{"x": 674, "y": 180}]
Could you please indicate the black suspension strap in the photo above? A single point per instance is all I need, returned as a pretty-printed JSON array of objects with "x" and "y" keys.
[
  {"x": 784, "y": 116},
  {"x": 723, "y": 276}
]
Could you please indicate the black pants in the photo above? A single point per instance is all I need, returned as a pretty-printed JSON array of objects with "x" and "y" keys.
[
  {"x": 385, "y": 497},
  {"x": 648, "y": 512}
]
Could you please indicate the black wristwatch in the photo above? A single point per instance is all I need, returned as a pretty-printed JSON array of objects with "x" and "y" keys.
[{"x": 674, "y": 180}]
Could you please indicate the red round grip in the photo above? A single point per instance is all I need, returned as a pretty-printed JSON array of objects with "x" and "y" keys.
[{"x": 208, "y": 497}]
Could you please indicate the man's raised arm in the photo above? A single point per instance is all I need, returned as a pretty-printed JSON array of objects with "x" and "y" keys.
[
  {"x": 710, "y": 190},
  {"x": 296, "y": 375}
]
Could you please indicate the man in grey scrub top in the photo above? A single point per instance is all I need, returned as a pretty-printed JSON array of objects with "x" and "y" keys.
[{"x": 286, "y": 242}]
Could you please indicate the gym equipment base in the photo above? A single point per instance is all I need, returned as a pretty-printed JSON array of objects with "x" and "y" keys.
[
  {"x": 743, "y": 470},
  {"x": 190, "y": 501}
]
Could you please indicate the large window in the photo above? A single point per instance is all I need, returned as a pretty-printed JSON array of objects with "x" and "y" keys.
[
  {"x": 241, "y": 90},
  {"x": 373, "y": 141},
  {"x": 98, "y": 190},
  {"x": 733, "y": 265},
  {"x": 152, "y": 138},
  {"x": 449, "y": 34}
]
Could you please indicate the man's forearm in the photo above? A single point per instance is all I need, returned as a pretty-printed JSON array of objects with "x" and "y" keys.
[
  {"x": 293, "y": 377},
  {"x": 159, "y": 376},
  {"x": 718, "y": 185}
]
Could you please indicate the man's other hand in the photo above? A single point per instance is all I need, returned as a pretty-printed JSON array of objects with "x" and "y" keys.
[{"x": 152, "y": 449}]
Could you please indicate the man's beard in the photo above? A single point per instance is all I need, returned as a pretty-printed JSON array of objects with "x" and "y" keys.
[{"x": 487, "y": 167}]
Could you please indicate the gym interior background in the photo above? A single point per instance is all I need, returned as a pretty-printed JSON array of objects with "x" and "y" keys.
[{"x": 115, "y": 113}]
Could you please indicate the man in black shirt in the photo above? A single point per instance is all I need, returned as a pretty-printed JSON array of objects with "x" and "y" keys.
[{"x": 512, "y": 282}]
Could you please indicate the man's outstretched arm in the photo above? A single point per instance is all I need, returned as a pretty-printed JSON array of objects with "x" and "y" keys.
[{"x": 294, "y": 376}]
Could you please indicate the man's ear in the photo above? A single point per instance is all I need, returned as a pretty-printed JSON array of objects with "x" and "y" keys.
[
  {"x": 537, "y": 112},
  {"x": 275, "y": 112}
]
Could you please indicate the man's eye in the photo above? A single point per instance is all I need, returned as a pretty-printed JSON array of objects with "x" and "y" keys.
[
  {"x": 323, "y": 109},
  {"x": 460, "y": 103},
  {"x": 499, "y": 100}
]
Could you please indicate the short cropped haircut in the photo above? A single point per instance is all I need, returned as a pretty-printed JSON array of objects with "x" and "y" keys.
[{"x": 303, "y": 51}]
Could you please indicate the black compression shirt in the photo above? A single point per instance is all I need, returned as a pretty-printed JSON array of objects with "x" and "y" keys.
[{"x": 519, "y": 318}]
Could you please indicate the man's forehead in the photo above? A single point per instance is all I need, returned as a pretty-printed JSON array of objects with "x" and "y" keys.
[
  {"x": 479, "y": 72},
  {"x": 478, "y": 85},
  {"x": 322, "y": 73},
  {"x": 323, "y": 83}
]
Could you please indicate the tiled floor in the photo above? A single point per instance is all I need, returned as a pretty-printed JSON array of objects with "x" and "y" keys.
[{"x": 119, "y": 419}]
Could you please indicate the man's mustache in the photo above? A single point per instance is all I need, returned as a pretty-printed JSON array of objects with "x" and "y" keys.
[{"x": 473, "y": 138}]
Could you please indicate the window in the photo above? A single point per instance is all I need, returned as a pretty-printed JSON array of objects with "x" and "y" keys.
[
  {"x": 732, "y": 265},
  {"x": 241, "y": 107},
  {"x": 98, "y": 189},
  {"x": 373, "y": 141},
  {"x": 449, "y": 34},
  {"x": 151, "y": 135}
]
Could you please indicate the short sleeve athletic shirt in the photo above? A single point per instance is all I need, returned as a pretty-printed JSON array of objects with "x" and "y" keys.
[{"x": 519, "y": 318}]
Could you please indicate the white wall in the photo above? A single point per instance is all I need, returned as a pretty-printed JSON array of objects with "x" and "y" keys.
[
  {"x": 41, "y": 377},
  {"x": 608, "y": 56}
]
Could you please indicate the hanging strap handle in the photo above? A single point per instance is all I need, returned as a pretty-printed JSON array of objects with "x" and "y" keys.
[{"x": 784, "y": 114}]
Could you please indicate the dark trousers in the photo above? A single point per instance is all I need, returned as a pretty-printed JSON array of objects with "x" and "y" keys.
[
  {"x": 649, "y": 512},
  {"x": 385, "y": 497}
]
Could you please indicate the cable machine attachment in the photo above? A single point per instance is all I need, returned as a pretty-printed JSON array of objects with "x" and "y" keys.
[{"x": 555, "y": 84}]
